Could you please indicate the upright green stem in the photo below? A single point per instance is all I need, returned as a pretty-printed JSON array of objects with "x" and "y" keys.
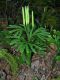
[
  {"x": 23, "y": 14},
  {"x": 32, "y": 19}
]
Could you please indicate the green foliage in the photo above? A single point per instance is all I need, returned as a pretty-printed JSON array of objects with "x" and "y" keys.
[
  {"x": 56, "y": 36},
  {"x": 10, "y": 59},
  {"x": 42, "y": 2},
  {"x": 27, "y": 38},
  {"x": 48, "y": 18},
  {"x": 57, "y": 58},
  {"x": 56, "y": 78},
  {"x": 3, "y": 35},
  {"x": 35, "y": 78}
]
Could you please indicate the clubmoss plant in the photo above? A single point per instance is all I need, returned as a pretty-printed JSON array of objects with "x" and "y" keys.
[{"x": 27, "y": 38}]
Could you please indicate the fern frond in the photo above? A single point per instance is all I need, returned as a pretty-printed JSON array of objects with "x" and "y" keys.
[{"x": 10, "y": 59}]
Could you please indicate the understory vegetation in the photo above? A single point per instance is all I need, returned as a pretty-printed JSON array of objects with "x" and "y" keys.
[{"x": 31, "y": 48}]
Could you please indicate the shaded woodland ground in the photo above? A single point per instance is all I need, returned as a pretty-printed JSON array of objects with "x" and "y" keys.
[{"x": 39, "y": 65}]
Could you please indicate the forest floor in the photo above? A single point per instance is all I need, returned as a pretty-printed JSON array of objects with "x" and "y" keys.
[{"x": 39, "y": 70}]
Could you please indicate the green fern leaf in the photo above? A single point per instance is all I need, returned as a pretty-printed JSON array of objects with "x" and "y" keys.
[{"x": 10, "y": 59}]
